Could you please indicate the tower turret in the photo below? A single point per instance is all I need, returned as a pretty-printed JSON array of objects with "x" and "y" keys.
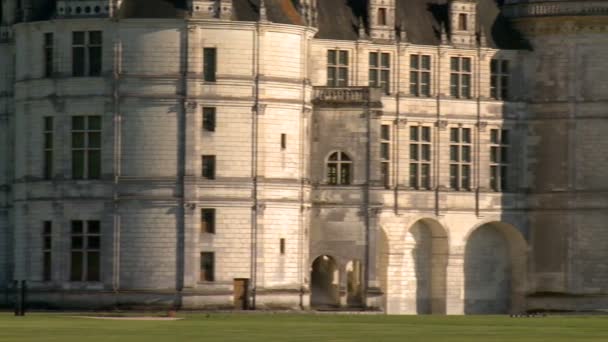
[{"x": 381, "y": 14}]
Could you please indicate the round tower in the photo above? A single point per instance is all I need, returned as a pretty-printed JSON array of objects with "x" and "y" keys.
[{"x": 566, "y": 160}]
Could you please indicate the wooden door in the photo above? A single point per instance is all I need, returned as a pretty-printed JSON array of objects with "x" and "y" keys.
[{"x": 240, "y": 294}]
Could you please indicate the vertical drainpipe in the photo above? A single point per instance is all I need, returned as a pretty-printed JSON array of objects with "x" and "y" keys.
[
  {"x": 366, "y": 202},
  {"x": 181, "y": 186},
  {"x": 117, "y": 154},
  {"x": 254, "y": 159},
  {"x": 436, "y": 136},
  {"x": 478, "y": 135}
]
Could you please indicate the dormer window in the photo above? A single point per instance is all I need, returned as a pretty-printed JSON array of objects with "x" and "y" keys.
[
  {"x": 462, "y": 22},
  {"x": 382, "y": 16}
]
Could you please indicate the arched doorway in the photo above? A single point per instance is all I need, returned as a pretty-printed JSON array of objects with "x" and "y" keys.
[
  {"x": 354, "y": 283},
  {"x": 427, "y": 266},
  {"x": 324, "y": 283},
  {"x": 494, "y": 270}
]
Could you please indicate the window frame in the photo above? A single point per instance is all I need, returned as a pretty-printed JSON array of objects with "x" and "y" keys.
[
  {"x": 47, "y": 251},
  {"x": 461, "y": 77},
  {"x": 212, "y": 173},
  {"x": 500, "y": 79},
  {"x": 378, "y": 67},
  {"x": 336, "y": 66},
  {"x": 48, "y": 147},
  {"x": 461, "y": 180},
  {"x": 210, "y": 57},
  {"x": 340, "y": 165},
  {"x": 206, "y": 272},
  {"x": 86, "y": 251},
  {"x": 48, "y": 46},
  {"x": 500, "y": 159},
  {"x": 385, "y": 154},
  {"x": 88, "y": 151},
  {"x": 91, "y": 67},
  {"x": 418, "y": 87},
  {"x": 421, "y": 166},
  {"x": 208, "y": 220},
  {"x": 209, "y": 119}
]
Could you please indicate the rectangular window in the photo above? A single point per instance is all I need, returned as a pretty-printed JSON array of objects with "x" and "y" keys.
[
  {"x": 385, "y": 154},
  {"x": 48, "y": 54},
  {"x": 462, "y": 22},
  {"x": 499, "y": 79},
  {"x": 85, "y": 251},
  {"x": 209, "y": 167},
  {"x": 380, "y": 70},
  {"x": 283, "y": 141},
  {"x": 209, "y": 119},
  {"x": 207, "y": 271},
  {"x": 499, "y": 159},
  {"x": 86, "y": 147},
  {"x": 460, "y": 158},
  {"x": 337, "y": 68},
  {"x": 460, "y": 77},
  {"x": 420, "y": 75},
  {"x": 86, "y": 53},
  {"x": 208, "y": 221},
  {"x": 209, "y": 64},
  {"x": 382, "y": 16},
  {"x": 47, "y": 247},
  {"x": 282, "y": 246},
  {"x": 420, "y": 157},
  {"x": 48, "y": 147}
]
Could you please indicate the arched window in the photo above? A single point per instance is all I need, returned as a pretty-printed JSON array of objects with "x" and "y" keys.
[{"x": 339, "y": 169}]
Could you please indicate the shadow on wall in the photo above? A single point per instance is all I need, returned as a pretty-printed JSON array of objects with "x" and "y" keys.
[
  {"x": 494, "y": 270},
  {"x": 429, "y": 259}
]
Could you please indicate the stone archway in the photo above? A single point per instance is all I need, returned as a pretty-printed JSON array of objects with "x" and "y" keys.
[
  {"x": 426, "y": 267},
  {"x": 324, "y": 283},
  {"x": 494, "y": 270}
]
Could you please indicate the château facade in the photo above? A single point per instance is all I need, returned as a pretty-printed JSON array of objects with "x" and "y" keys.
[{"x": 408, "y": 156}]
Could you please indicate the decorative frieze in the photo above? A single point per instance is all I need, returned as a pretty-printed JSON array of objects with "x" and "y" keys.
[{"x": 555, "y": 8}]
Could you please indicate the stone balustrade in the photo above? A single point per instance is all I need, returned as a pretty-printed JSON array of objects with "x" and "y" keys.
[{"x": 92, "y": 8}]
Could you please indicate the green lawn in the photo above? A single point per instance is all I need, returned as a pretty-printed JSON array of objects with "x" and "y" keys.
[{"x": 304, "y": 328}]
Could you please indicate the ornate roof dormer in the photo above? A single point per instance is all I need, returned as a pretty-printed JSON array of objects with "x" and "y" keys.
[
  {"x": 381, "y": 19},
  {"x": 463, "y": 22},
  {"x": 87, "y": 8},
  {"x": 211, "y": 9}
]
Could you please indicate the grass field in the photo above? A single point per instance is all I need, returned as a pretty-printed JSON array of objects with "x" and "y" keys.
[{"x": 304, "y": 328}]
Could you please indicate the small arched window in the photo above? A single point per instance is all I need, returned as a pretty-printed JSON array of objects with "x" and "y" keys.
[{"x": 339, "y": 167}]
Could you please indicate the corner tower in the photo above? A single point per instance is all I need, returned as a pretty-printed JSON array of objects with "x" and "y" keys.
[
  {"x": 381, "y": 19},
  {"x": 566, "y": 169}
]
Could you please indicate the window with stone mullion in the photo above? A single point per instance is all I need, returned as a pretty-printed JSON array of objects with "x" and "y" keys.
[
  {"x": 460, "y": 77},
  {"x": 86, "y": 53},
  {"x": 461, "y": 150},
  {"x": 337, "y": 68},
  {"x": 380, "y": 70},
  {"x": 499, "y": 159},
  {"x": 499, "y": 79},
  {"x": 86, "y": 147},
  {"x": 420, "y": 75},
  {"x": 420, "y": 157},
  {"x": 85, "y": 251}
]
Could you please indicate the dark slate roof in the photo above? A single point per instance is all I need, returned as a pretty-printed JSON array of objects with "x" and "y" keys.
[
  {"x": 337, "y": 19},
  {"x": 422, "y": 19}
]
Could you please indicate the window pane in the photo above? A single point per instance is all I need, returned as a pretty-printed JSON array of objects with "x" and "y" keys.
[
  {"x": 505, "y": 67},
  {"x": 76, "y": 266},
  {"x": 344, "y": 57},
  {"x": 504, "y": 178},
  {"x": 494, "y": 178},
  {"x": 209, "y": 167},
  {"x": 373, "y": 78},
  {"x": 466, "y": 135},
  {"x": 494, "y": 66},
  {"x": 78, "y": 164},
  {"x": 414, "y": 133},
  {"x": 78, "y": 64},
  {"x": 386, "y": 132},
  {"x": 94, "y": 123},
  {"x": 331, "y": 57},
  {"x": 454, "y": 154},
  {"x": 494, "y": 154},
  {"x": 78, "y": 123},
  {"x": 93, "y": 242},
  {"x": 385, "y": 151},
  {"x": 454, "y": 176},
  {"x": 454, "y": 135},
  {"x": 505, "y": 137},
  {"x": 95, "y": 61},
  {"x": 414, "y": 61},
  {"x": 47, "y": 266},
  {"x": 466, "y": 64},
  {"x": 332, "y": 174},
  {"x": 455, "y": 64},
  {"x": 78, "y": 38},
  {"x": 426, "y": 134},
  {"x": 466, "y": 177},
  {"x": 95, "y": 37},
  {"x": 78, "y": 140},
  {"x": 414, "y": 152},
  {"x": 494, "y": 136},
  {"x": 331, "y": 77},
  {"x": 385, "y": 174},
  {"x": 342, "y": 77},
  {"x": 209, "y": 64},
  {"x": 94, "y": 164},
  {"x": 345, "y": 174},
  {"x": 48, "y": 141},
  {"x": 466, "y": 154},
  {"x": 504, "y": 155},
  {"x": 414, "y": 175},
  {"x": 77, "y": 227},
  {"x": 386, "y": 60},
  {"x": 426, "y": 62},
  {"x": 94, "y": 140},
  {"x": 77, "y": 242},
  {"x": 454, "y": 85},
  {"x": 426, "y": 152},
  {"x": 93, "y": 227},
  {"x": 425, "y": 174},
  {"x": 93, "y": 266},
  {"x": 373, "y": 59}
]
